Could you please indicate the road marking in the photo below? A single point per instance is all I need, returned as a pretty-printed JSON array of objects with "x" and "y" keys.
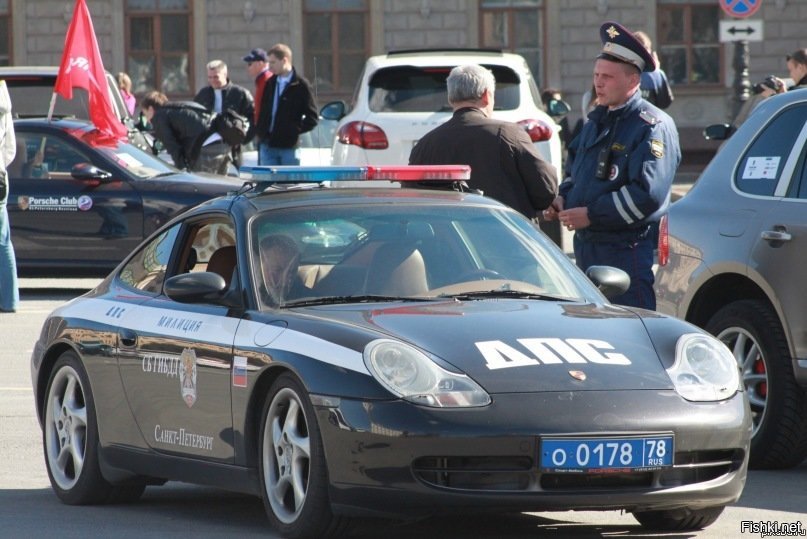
[{"x": 16, "y": 389}]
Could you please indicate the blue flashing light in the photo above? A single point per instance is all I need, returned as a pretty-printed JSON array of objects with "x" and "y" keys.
[{"x": 292, "y": 174}]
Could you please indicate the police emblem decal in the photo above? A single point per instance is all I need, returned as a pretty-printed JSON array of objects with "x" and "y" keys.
[
  {"x": 657, "y": 148},
  {"x": 187, "y": 376},
  {"x": 612, "y": 32}
]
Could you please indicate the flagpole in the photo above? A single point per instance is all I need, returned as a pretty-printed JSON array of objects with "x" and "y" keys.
[{"x": 52, "y": 106}]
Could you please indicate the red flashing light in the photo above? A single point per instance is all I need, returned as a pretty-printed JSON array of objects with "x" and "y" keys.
[
  {"x": 663, "y": 241},
  {"x": 364, "y": 135},
  {"x": 538, "y": 130},
  {"x": 419, "y": 173}
]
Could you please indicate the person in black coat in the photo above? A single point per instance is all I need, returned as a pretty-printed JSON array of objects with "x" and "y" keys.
[
  {"x": 504, "y": 162},
  {"x": 183, "y": 127},
  {"x": 221, "y": 94},
  {"x": 287, "y": 110}
]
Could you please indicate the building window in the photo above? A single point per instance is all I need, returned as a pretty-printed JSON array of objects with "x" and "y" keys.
[
  {"x": 5, "y": 33},
  {"x": 158, "y": 46},
  {"x": 515, "y": 26},
  {"x": 688, "y": 43},
  {"x": 336, "y": 43}
]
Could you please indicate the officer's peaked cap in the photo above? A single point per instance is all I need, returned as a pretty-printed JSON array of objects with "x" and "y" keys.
[{"x": 620, "y": 45}]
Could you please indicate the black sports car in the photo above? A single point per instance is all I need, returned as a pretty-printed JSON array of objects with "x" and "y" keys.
[
  {"x": 398, "y": 352},
  {"x": 79, "y": 202}
]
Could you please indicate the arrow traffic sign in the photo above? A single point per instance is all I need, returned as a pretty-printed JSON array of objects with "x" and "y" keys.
[{"x": 745, "y": 30}]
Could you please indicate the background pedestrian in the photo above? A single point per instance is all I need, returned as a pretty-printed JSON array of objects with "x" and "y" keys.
[{"x": 9, "y": 292}]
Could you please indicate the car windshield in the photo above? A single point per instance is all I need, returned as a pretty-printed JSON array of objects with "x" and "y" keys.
[
  {"x": 378, "y": 252},
  {"x": 31, "y": 96},
  {"x": 137, "y": 162},
  {"x": 423, "y": 89}
]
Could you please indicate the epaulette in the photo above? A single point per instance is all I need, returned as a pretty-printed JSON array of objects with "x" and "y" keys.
[{"x": 649, "y": 117}]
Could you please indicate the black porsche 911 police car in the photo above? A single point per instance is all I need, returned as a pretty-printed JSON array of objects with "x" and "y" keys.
[{"x": 385, "y": 352}]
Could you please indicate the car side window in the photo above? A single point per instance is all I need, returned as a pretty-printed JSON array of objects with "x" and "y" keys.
[
  {"x": 41, "y": 156},
  {"x": 146, "y": 269},
  {"x": 761, "y": 167}
]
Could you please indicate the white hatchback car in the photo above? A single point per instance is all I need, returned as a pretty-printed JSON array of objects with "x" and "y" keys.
[{"x": 401, "y": 96}]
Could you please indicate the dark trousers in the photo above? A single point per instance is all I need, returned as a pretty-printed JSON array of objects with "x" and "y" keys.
[
  {"x": 633, "y": 257},
  {"x": 213, "y": 158}
]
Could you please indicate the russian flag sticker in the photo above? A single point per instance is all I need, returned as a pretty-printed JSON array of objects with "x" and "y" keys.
[{"x": 239, "y": 371}]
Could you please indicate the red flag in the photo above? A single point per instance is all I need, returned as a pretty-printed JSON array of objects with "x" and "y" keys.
[{"x": 82, "y": 67}]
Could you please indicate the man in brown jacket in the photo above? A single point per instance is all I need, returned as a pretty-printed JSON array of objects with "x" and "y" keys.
[{"x": 504, "y": 163}]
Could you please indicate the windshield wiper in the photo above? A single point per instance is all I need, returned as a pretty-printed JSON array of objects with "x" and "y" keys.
[
  {"x": 366, "y": 298},
  {"x": 503, "y": 293}
]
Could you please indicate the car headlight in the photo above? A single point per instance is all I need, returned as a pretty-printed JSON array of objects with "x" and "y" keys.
[
  {"x": 704, "y": 369},
  {"x": 410, "y": 374}
]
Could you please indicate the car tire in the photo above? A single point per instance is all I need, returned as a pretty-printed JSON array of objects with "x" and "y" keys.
[
  {"x": 70, "y": 440},
  {"x": 676, "y": 520},
  {"x": 292, "y": 464},
  {"x": 753, "y": 333}
]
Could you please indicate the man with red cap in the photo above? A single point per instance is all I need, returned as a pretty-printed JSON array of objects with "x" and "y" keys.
[{"x": 619, "y": 169}]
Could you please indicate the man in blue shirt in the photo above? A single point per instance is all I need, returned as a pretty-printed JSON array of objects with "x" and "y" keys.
[{"x": 619, "y": 170}]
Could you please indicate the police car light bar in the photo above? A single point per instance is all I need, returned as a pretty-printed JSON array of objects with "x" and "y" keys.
[{"x": 292, "y": 174}]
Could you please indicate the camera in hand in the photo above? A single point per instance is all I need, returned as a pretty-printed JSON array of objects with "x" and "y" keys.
[{"x": 770, "y": 83}]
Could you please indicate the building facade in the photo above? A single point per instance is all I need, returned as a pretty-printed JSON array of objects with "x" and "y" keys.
[{"x": 165, "y": 44}]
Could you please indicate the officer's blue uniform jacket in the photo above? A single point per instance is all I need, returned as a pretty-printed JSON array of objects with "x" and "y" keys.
[{"x": 643, "y": 159}]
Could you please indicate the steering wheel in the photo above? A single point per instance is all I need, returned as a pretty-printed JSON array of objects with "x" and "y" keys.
[{"x": 480, "y": 274}]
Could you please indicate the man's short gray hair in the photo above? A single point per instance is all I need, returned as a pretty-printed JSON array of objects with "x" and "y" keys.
[{"x": 469, "y": 82}]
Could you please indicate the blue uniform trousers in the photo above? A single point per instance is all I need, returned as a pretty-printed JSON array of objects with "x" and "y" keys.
[{"x": 635, "y": 257}]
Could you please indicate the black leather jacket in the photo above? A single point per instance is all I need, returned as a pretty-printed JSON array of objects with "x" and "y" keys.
[
  {"x": 182, "y": 127},
  {"x": 296, "y": 113},
  {"x": 233, "y": 97}
]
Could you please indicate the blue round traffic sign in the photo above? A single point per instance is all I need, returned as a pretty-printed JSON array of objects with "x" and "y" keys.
[{"x": 740, "y": 8}]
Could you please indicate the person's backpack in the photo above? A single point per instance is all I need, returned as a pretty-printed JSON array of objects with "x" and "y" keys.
[{"x": 231, "y": 126}]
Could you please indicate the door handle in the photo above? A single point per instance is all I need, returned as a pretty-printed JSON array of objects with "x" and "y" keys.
[
  {"x": 777, "y": 236},
  {"x": 128, "y": 338}
]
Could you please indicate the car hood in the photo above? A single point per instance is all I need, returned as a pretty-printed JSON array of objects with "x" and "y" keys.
[
  {"x": 197, "y": 182},
  {"x": 511, "y": 346}
]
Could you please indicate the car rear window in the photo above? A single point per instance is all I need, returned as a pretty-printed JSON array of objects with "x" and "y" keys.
[{"x": 423, "y": 89}]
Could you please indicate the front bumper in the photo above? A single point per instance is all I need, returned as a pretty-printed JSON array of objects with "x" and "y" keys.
[{"x": 392, "y": 458}]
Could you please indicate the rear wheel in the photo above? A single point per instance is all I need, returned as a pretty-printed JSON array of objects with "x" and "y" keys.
[
  {"x": 70, "y": 440},
  {"x": 678, "y": 520},
  {"x": 293, "y": 467},
  {"x": 753, "y": 333}
]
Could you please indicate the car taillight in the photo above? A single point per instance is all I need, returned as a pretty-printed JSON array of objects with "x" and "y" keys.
[
  {"x": 538, "y": 130},
  {"x": 663, "y": 242},
  {"x": 364, "y": 135}
]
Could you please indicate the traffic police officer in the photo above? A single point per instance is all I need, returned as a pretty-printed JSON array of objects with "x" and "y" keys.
[{"x": 619, "y": 170}]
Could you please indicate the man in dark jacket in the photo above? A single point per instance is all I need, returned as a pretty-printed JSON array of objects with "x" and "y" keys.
[
  {"x": 221, "y": 94},
  {"x": 287, "y": 110},
  {"x": 183, "y": 128},
  {"x": 504, "y": 163}
]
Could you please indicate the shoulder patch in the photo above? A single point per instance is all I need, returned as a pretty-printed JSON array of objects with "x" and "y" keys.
[
  {"x": 657, "y": 148},
  {"x": 649, "y": 117}
]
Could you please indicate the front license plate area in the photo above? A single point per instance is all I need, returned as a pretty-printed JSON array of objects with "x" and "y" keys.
[{"x": 606, "y": 454}]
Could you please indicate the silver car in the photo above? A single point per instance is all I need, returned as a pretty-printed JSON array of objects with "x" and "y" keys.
[{"x": 737, "y": 245}]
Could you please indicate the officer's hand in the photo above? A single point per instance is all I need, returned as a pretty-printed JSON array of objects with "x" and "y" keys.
[
  {"x": 551, "y": 213},
  {"x": 574, "y": 218}
]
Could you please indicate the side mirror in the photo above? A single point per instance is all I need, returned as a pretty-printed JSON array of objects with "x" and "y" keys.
[
  {"x": 718, "y": 131},
  {"x": 199, "y": 287},
  {"x": 335, "y": 110},
  {"x": 557, "y": 108},
  {"x": 86, "y": 171},
  {"x": 612, "y": 282}
]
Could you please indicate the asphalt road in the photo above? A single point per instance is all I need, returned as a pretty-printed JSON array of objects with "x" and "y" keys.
[{"x": 28, "y": 507}]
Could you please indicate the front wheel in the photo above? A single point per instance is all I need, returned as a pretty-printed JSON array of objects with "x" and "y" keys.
[
  {"x": 752, "y": 332},
  {"x": 293, "y": 467},
  {"x": 678, "y": 520},
  {"x": 70, "y": 440}
]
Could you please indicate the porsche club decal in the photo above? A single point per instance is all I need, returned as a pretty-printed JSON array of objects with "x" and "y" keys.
[
  {"x": 54, "y": 203},
  {"x": 549, "y": 351},
  {"x": 187, "y": 376},
  {"x": 182, "y": 367},
  {"x": 182, "y": 438}
]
